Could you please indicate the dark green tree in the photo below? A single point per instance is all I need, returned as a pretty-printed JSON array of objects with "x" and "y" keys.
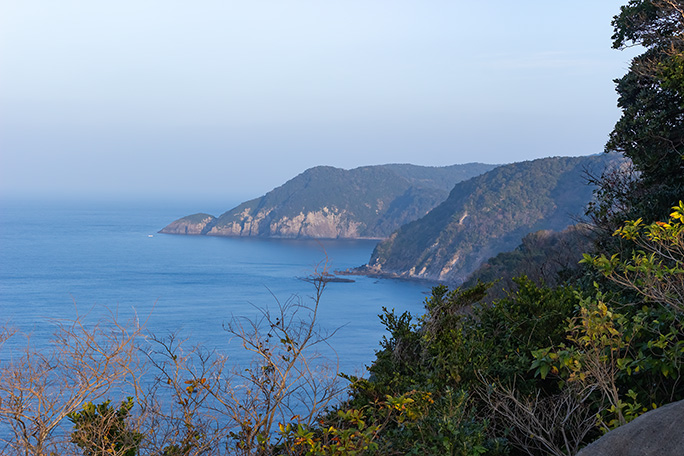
[
  {"x": 103, "y": 430},
  {"x": 651, "y": 129}
]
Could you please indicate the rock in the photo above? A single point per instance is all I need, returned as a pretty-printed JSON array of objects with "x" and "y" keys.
[
  {"x": 192, "y": 224},
  {"x": 655, "y": 433}
]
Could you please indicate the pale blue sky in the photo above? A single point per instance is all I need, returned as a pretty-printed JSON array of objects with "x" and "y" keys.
[{"x": 228, "y": 99}]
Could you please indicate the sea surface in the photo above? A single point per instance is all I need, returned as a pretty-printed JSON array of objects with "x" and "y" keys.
[{"x": 59, "y": 260}]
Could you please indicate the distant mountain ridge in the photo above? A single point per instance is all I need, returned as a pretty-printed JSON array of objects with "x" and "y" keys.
[
  {"x": 487, "y": 215},
  {"x": 328, "y": 202}
]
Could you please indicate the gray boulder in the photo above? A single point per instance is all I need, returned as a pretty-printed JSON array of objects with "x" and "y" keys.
[{"x": 659, "y": 432}]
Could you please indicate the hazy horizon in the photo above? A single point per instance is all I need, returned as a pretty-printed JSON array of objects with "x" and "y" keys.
[{"x": 224, "y": 99}]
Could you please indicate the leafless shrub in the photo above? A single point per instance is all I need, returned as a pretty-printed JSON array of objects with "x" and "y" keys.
[
  {"x": 202, "y": 404},
  {"x": 288, "y": 377},
  {"x": 539, "y": 424},
  {"x": 187, "y": 400},
  {"x": 180, "y": 405},
  {"x": 40, "y": 387}
]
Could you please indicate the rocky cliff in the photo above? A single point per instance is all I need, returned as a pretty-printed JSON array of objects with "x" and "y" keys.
[{"x": 327, "y": 202}]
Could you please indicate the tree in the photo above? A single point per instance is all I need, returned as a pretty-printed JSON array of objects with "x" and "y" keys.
[
  {"x": 654, "y": 269},
  {"x": 101, "y": 429},
  {"x": 651, "y": 96}
]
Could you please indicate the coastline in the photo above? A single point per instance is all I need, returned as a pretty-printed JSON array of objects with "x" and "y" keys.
[{"x": 366, "y": 271}]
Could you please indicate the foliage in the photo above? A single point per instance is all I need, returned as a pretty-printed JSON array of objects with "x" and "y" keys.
[
  {"x": 593, "y": 360},
  {"x": 101, "y": 429},
  {"x": 546, "y": 257},
  {"x": 423, "y": 354},
  {"x": 551, "y": 366},
  {"x": 633, "y": 356},
  {"x": 439, "y": 362},
  {"x": 651, "y": 96},
  {"x": 654, "y": 268},
  {"x": 633, "y": 361},
  {"x": 348, "y": 435},
  {"x": 506, "y": 333}
]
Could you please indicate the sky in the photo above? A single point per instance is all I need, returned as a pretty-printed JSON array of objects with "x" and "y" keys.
[{"x": 228, "y": 99}]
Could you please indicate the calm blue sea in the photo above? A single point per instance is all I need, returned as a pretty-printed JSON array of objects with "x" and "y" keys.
[{"x": 57, "y": 259}]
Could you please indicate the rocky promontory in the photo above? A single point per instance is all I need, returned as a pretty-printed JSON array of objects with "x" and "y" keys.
[
  {"x": 334, "y": 203},
  {"x": 192, "y": 224}
]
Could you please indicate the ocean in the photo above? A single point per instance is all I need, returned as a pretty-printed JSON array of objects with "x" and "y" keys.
[{"x": 59, "y": 260}]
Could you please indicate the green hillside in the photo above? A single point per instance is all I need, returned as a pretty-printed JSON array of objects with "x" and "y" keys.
[
  {"x": 546, "y": 257},
  {"x": 487, "y": 215},
  {"x": 328, "y": 202}
]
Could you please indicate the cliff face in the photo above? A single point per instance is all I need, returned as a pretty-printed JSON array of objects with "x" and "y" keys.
[
  {"x": 487, "y": 215},
  {"x": 324, "y": 223},
  {"x": 327, "y": 202}
]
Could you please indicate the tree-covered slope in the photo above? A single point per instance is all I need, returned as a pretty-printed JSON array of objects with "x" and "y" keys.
[
  {"x": 327, "y": 202},
  {"x": 546, "y": 257},
  {"x": 487, "y": 215}
]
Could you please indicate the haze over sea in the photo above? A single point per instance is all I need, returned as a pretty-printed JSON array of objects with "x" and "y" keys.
[{"x": 57, "y": 259}]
